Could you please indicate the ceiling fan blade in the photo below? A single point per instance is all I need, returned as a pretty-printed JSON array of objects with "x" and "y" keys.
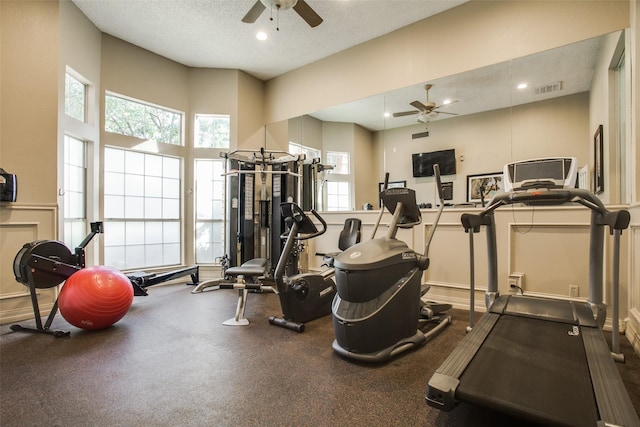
[
  {"x": 419, "y": 105},
  {"x": 444, "y": 105},
  {"x": 405, "y": 113},
  {"x": 254, "y": 13},
  {"x": 444, "y": 112},
  {"x": 307, "y": 13}
]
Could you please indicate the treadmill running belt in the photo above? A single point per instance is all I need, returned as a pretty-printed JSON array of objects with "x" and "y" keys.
[{"x": 533, "y": 368}]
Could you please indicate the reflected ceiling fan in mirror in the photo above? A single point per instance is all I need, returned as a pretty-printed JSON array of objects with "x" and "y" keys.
[
  {"x": 425, "y": 111},
  {"x": 300, "y": 6}
]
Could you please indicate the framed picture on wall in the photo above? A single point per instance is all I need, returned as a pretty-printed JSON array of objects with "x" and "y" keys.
[
  {"x": 598, "y": 166},
  {"x": 486, "y": 183}
]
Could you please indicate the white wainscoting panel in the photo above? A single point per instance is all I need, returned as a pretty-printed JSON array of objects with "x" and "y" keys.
[{"x": 20, "y": 225}]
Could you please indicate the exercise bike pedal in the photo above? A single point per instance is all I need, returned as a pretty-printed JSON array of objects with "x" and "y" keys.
[
  {"x": 279, "y": 321},
  {"x": 437, "y": 307}
]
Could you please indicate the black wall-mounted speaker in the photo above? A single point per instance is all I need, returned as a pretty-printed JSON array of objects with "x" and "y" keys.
[{"x": 8, "y": 186}]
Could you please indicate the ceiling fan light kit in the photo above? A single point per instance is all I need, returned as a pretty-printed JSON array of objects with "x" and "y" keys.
[
  {"x": 299, "y": 6},
  {"x": 426, "y": 111}
]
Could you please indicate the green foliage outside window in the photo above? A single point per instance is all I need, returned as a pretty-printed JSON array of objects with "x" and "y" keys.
[
  {"x": 132, "y": 118},
  {"x": 212, "y": 131},
  {"x": 74, "y": 98}
]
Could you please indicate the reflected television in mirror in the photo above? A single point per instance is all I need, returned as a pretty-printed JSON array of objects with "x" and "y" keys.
[{"x": 423, "y": 162}]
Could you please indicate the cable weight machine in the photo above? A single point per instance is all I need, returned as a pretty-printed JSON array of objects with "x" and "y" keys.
[{"x": 258, "y": 180}]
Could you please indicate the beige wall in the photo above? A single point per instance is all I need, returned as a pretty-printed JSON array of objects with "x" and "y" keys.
[
  {"x": 29, "y": 99},
  {"x": 28, "y": 136}
]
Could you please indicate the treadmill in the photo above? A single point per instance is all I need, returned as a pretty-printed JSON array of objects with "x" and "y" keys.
[{"x": 541, "y": 359}]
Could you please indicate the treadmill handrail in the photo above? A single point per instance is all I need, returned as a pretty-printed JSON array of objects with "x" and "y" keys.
[
  {"x": 600, "y": 216},
  {"x": 547, "y": 196}
]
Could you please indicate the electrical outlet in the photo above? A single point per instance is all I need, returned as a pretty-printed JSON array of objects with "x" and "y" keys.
[
  {"x": 574, "y": 291},
  {"x": 516, "y": 282}
]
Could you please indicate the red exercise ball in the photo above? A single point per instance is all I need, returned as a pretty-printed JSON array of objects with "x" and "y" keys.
[{"x": 95, "y": 297}]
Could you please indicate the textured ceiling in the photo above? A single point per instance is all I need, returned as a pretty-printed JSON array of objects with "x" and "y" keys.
[{"x": 210, "y": 34}]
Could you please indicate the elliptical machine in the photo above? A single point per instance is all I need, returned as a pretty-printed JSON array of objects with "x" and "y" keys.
[
  {"x": 306, "y": 296},
  {"x": 378, "y": 312}
]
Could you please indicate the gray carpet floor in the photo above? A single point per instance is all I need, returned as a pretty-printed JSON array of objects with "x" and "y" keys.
[{"x": 171, "y": 362}]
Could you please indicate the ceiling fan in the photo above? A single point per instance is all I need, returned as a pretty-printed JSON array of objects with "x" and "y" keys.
[
  {"x": 300, "y": 6},
  {"x": 427, "y": 111}
]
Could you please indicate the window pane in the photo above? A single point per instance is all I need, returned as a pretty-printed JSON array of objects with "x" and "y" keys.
[
  {"x": 113, "y": 183},
  {"x": 310, "y": 153},
  {"x": 132, "y": 118},
  {"x": 171, "y": 188},
  {"x": 139, "y": 207},
  {"x": 134, "y": 163},
  {"x": 135, "y": 185},
  {"x": 74, "y": 208},
  {"x": 75, "y": 198},
  {"x": 113, "y": 160},
  {"x": 154, "y": 255},
  {"x": 340, "y": 160},
  {"x": 171, "y": 253},
  {"x": 134, "y": 207},
  {"x": 171, "y": 167},
  {"x": 114, "y": 233},
  {"x": 153, "y": 207},
  {"x": 134, "y": 234},
  {"x": 153, "y": 232},
  {"x": 171, "y": 208},
  {"x": 338, "y": 196},
  {"x": 153, "y": 186},
  {"x": 74, "y": 232},
  {"x": 153, "y": 165},
  {"x": 212, "y": 131},
  {"x": 113, "y": 256},
  {"x": 74, "y": 97},
  {"x": 135, "y": 257},
  {"x": 113, "y": 206},
  {"x": 209, "y": 207}
]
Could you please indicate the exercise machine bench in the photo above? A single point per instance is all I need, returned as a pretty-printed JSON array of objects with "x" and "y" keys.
[{"x": 248, "y": 277}]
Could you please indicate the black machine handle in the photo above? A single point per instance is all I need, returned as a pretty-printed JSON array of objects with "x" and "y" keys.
[
  {"x": 96, "y": 228},
  {"x": 306, "y": 229},
  {"x": 319, "y": 232},
  {"x": 303, "y": 225},
  {"x": 384, "y": 188}
]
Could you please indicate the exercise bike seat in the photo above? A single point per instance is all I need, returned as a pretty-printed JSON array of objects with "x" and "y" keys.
[
  {"x": 252, "y": 268},
  {"x": 349, "y": 236}
]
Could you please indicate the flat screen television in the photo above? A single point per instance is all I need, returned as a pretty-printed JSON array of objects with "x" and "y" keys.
[{"x": 423, "y": 163}]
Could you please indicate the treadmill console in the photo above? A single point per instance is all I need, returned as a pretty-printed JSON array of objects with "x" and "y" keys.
[{"x": 552, "y": 172}]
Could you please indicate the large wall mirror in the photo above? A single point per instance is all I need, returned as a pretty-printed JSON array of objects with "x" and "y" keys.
[{"x": 489, "y": 121}]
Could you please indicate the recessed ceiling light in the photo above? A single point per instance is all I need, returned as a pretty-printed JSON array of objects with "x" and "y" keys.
[
  {"x": 387, "y": 114},
  {"x": 446, "y": 102},
  {"x": 261, "y": 35},
  {"x": 522, "y": 86}
]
